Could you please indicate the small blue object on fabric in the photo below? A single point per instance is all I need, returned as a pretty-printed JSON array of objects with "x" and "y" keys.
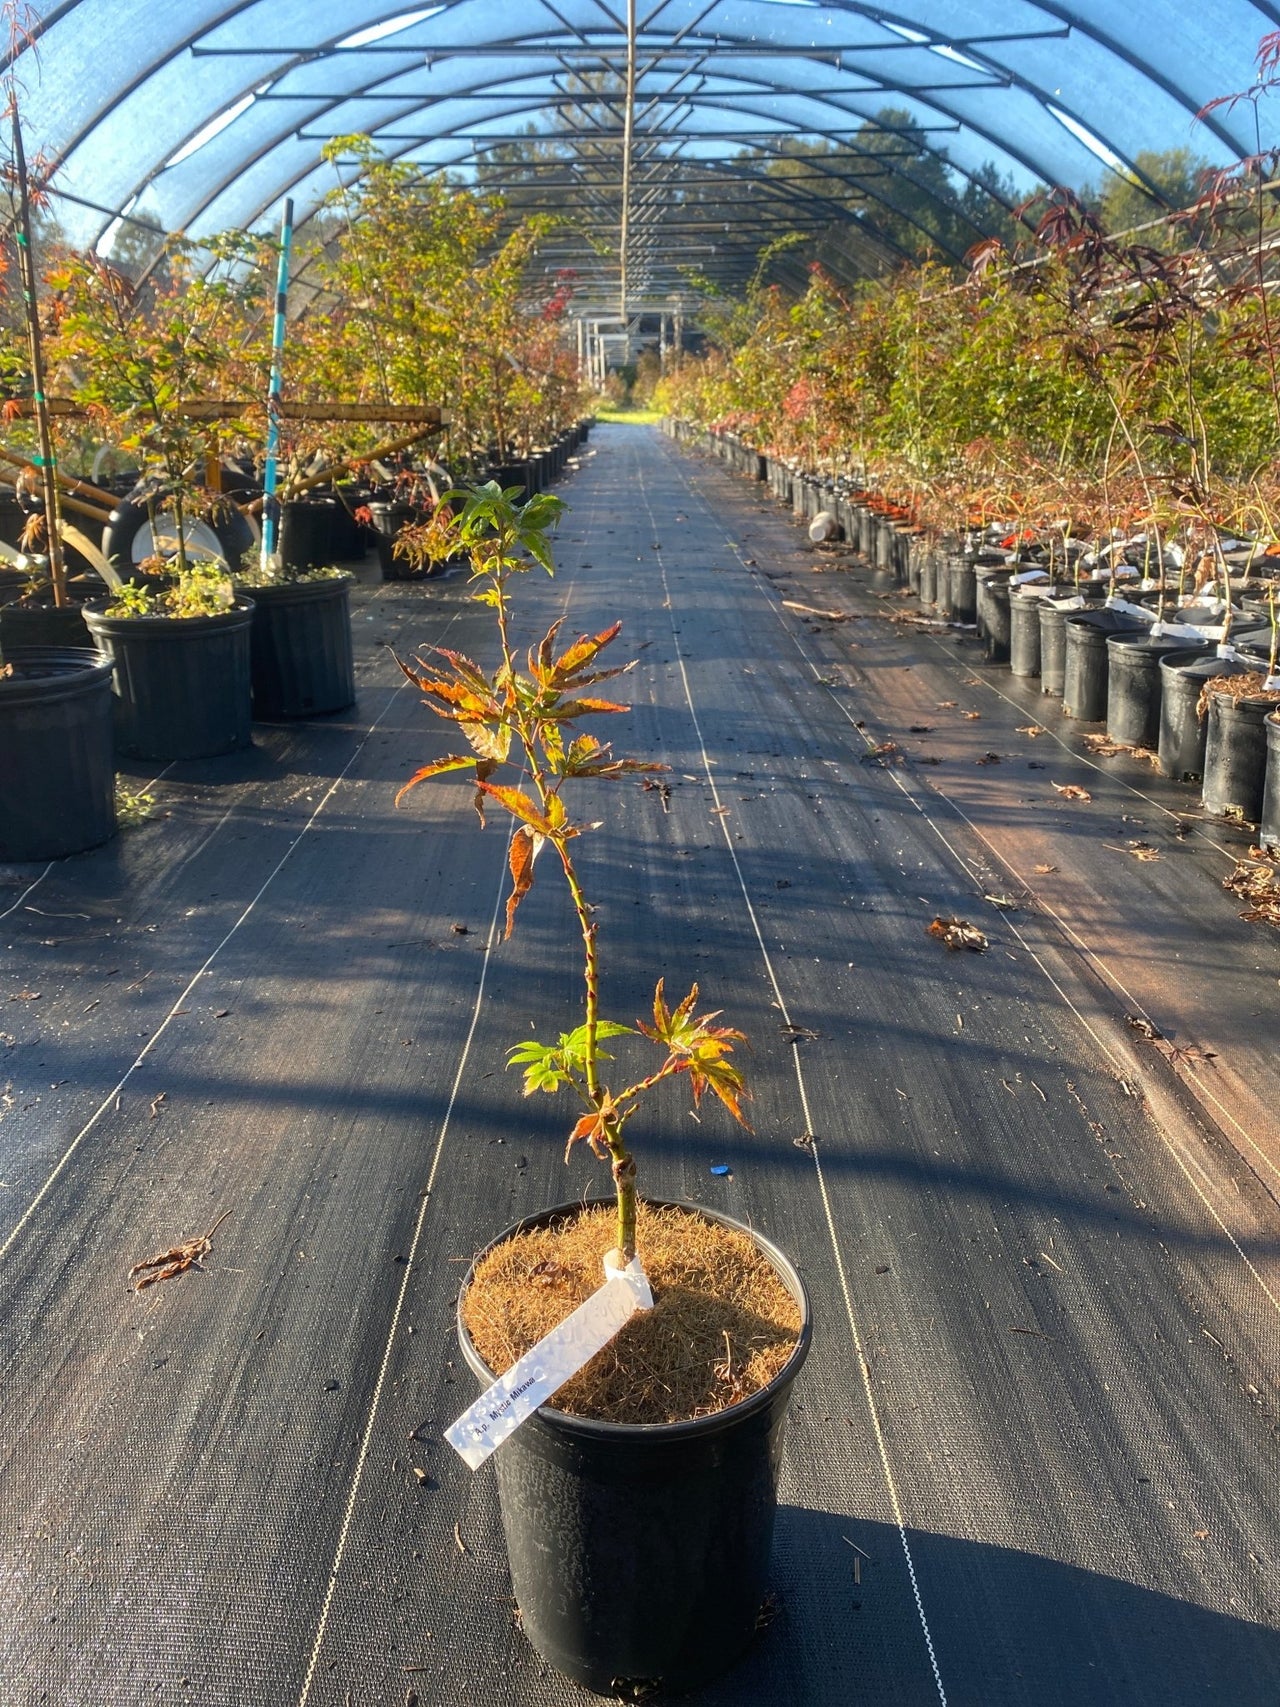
[{"x": 721, "y": 1169}]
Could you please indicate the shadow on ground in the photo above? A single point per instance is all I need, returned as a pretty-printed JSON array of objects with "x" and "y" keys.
[{"x": 1006, "y": 1627}]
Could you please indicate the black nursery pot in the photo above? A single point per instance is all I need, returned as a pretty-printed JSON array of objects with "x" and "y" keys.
[
  {"x": 1024, "y": 633},
  {"x": 1053, "y": 647},
  {"x": 1133, "y": 686},
  {"x": 40, "y": 624},
  {"x": 1235, "y": 756},
  {"x": 57, "y": 762},
  {"x": 300, "y": 655},
  {"x": 962, "y": 590},
  {"x": 640, "y": 1554},
  {"x": 928, "y": 584},
  {"x": 388, "y": 519},
  {"x": 1084, "y": 682},
  {"x": 181, "y": 683},
  {"x": 994, "y": 614},
  {"x": 13, "y": 583},
  {"x": 318, "y": 532},
  {"x": 1269, "y": 826},
  {"x": 1182, "y": 729}
]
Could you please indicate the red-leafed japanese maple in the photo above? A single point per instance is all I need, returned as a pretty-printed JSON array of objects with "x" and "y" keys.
[{"x": 520, "y": 727}]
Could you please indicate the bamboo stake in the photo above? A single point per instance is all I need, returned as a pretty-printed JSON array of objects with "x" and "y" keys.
[
  {"x": 46, "y": 460},
  {"x": 270, "y": 504}
]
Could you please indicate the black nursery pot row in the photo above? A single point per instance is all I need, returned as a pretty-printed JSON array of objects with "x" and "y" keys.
[
  {"x": 531, "y": 474},
  {"x": 1104, "y": 665},
  {"x": 86, "y": 688},
  {"x": 160, "y": 688}
]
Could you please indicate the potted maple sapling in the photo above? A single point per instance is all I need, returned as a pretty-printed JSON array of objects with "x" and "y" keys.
[
  {"x": 138, "y": 359},
  {"x": 57, "y": 770},
  {"x": 301, "y": 662},
  {"x": 638, "y": 1508}
]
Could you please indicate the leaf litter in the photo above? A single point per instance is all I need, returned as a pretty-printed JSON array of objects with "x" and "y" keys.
[
  {"x": 1256, "y": 880},
  {"x": 958, "y": 934},
  {"x": 177, "y": 1259}
]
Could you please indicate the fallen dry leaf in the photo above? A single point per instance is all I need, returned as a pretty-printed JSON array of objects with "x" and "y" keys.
[
  {"x": 1257, "y": 881},
  {"x": 1032, "y": 729},
  {"x": 1186, "y": 1054},
  {"x": 1046, "y": 870},
  {"x": 946, "y": 705},
  {"x": 973, "y": 716},
  {"x": 1103, "y": 747},
  {"x": 958, "y": 933},
  {"x": 177, "y": 1259},
  {"x": 1072, "y": 791},
  {"x": 1143, "y": 1027},
  {"x": 988, "y": 759}
]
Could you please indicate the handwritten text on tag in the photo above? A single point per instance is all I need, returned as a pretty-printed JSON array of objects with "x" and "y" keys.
[{"x": 531, "y": 1381}]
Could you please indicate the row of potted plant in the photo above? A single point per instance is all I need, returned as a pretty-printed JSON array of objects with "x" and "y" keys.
[
  {"x": 1174, "y": 645},
  {"x": 413, "y": 301},
  {"x": 1104, "y": 413}
]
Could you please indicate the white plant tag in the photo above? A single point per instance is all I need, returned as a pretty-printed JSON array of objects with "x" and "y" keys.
[
  {"x": 1193, "y": 631},
  {"x": 1139, "y": 612},
  {"x": 545, "y": 1368}
]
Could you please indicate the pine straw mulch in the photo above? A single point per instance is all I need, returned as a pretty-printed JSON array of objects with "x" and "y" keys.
[
  {"x": 722, "y": 1327},
  {"x": 1248, "y": 686},
  {"x": 1257, "y": 881}
]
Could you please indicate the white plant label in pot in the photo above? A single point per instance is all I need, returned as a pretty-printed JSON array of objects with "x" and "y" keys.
[{"x": 545, "y": 1368}]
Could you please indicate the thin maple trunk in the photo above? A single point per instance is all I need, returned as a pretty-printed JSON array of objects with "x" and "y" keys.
[
  {"x": 47, "y": 459},
  {"x": 621, "y": 1159}
]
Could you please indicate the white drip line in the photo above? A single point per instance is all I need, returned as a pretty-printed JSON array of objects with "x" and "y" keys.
[
  {"x": 1183, "y": 1165},
  {"x": 109, "y": 1100},
  {"x": 864, "y": 1367},
  {"x": 367, "y": 1432}
]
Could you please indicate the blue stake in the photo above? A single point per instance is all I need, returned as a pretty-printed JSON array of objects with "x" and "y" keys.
[{"x": 270, "y": 504}]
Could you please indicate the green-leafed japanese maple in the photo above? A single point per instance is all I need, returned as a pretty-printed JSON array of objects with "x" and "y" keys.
[
  {"x": 140, "y": 359},
  {"x": 525, "y": 752}
]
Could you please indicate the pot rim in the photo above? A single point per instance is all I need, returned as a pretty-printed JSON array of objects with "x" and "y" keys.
[
  {"x": 56, "y": 672},
  {"x": 595, "y": 1427},
  {"x": 303, "y": 587},
  {"x": 95, "y": 613},
  {"x": 1246, "y": 701}
]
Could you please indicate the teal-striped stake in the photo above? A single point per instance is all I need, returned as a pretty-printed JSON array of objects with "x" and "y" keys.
[{"x": 270, "y": 504}]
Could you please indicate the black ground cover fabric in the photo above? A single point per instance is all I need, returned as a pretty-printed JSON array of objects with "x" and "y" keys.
[{"x": 1032, "y": 1459}]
